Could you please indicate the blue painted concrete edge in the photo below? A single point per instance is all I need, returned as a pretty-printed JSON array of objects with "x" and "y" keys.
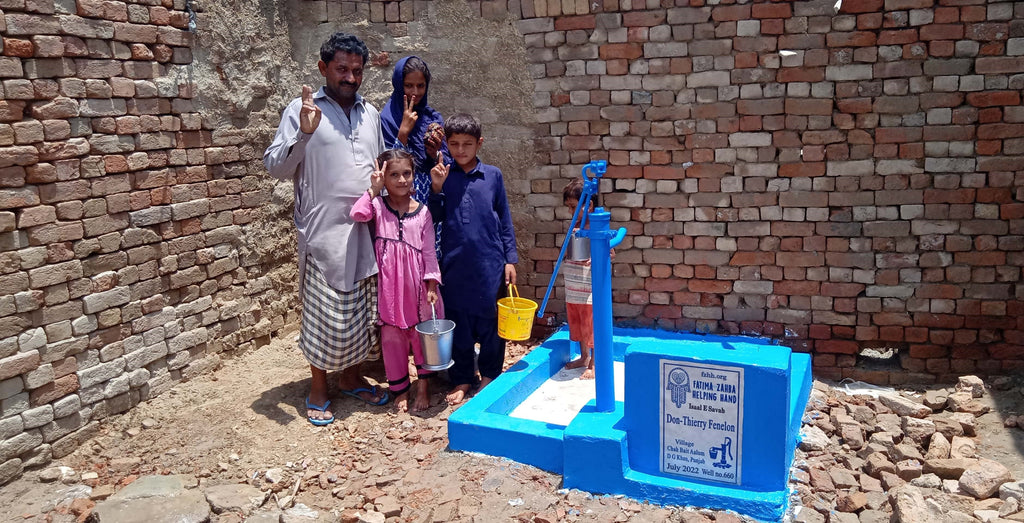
[{"x": 482, "y": 425}]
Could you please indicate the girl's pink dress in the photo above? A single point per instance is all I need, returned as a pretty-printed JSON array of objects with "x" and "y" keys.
[{"x": 405, "y": 258}]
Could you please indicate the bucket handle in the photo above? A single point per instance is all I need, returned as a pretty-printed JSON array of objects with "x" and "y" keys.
[{"x": 512, "y": 289}]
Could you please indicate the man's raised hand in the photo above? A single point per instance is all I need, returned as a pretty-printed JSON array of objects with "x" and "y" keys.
[
  {"x": 309, "y": 115},
  {"x": 438, "y": 174}
]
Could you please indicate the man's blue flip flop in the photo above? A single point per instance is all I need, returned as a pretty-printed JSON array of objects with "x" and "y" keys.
[
  {"x": 384, "y": 398},
  {"x": 319, "y": 422}
]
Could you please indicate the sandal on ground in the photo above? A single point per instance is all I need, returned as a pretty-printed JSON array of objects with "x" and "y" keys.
[
  {"x": 319, "y": 422},
  {"x": 374, "y": 391}
]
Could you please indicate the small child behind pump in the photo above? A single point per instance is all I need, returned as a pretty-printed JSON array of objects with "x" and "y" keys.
[{"x": 579, "y": 302}]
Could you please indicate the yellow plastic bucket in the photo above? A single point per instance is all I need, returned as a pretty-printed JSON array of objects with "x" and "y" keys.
[{"x": 515, "y": 316}]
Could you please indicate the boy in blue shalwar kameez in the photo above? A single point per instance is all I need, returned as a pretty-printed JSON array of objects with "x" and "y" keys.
[{"x": 478, "y": 253}]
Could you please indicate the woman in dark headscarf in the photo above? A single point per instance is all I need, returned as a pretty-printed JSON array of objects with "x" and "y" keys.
[{"x": 407, "y": 120}]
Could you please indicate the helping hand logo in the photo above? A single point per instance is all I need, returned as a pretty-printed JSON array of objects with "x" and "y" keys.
[{"x": 679, "y": 384}]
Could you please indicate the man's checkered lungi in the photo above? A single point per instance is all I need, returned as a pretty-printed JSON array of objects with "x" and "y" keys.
[{"x": 339, "y": 329}]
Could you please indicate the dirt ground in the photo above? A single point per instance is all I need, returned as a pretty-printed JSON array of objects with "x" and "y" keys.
[{"x": 246, "y": 419}]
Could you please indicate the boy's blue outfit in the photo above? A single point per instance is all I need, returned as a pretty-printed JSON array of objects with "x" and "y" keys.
[{"x": 478, "y": 240}]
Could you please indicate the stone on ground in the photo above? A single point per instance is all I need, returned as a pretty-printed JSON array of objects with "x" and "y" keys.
[
  {"x": 962, "y": 447},
  {"x": 904, "y": 406},
  {"x": 935, "y": 399},
  {"x": 983, "y": 479},
  {"x": 938, "y": 447},
  {"x": 813, "y": 439},
  {"x": 1012, "y": 489},
  {"x": 300, "y": 514},
  {"x": 242, "y": 498},
  {"x": 909, "y": 505},
  {"x": 972, "y": 384},
  {"x": 919, "y": 430},
  {"x": 264, "y": 517},
  {"x": 947, "y": 468}
]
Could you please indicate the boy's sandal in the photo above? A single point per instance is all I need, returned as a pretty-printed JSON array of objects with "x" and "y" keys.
[
  {"x": 377, "y": 393},
  {"x": 319, "y": 422}
]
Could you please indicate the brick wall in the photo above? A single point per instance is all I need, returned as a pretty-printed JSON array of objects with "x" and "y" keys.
[
  {"x": 126, "y": 263},
  {"x": 838, "y": 181}
]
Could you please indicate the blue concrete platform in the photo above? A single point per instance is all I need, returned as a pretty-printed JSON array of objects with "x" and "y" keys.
[{"x": 708, "y": 421}]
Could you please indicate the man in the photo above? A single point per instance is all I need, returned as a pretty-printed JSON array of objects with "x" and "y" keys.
[{"x": 330, "y": 165}]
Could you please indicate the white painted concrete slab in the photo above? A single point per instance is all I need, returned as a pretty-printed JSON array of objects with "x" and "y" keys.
[{"x": 560, "y": 398}]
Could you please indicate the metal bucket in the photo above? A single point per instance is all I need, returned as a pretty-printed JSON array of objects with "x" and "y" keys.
[
  {"x": 579, "y": 247},
  {"x": 436, "y": 340}
]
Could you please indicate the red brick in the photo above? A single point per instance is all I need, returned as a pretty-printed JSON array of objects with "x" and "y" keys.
[
  {"x": 662, "y": 172},
  {"x": 730, "y": 13},
  {"x": 897, "y": 134},
  {"x": 949, "y": 196},
  {"x": 624, "y": 171},
  {"x": 841, "y": 289},
  {"x": 707, "y": 170},
  {"x": 988, "y": 31},
  {"x": 946, "y": 15},
  {"x": 942, "y": 32},
  {"x": 1005, "y": 351},
  {"x": 854, "y": 105},
  {"x": 628, "y": 51},
  {"x": 851, "y": 39},
  {"x": 991, "y": 49},
  {"x": 809, "y": 106},
  {"x": 712, "y": 286},
  {"x": 773, "y": 10},
  {"x": 664, "y": 284},
  {"x": 1011, "y": 211},
  {"x": 800, "y": 74},
  {"x": 773, "y": 26},
  {"x": 19, "y": 48},
  {"x": 640, "y": 19},
  {"x": 1000, "y": 163},
  {"x": 945, "y": 133},
  {"x": 999, "y": 131},
  {"x": 990, "y": 115},
  {"x": 897, "y": 37},
  {"x": 836, "y": 346},
  {"x": 862, "y": 6},
  {"x": 793, "y": 170},
  {"x": 796, "y": 288},
  {"x": 752, "y": 258},
  {"x": 938, "y": 291},
  {"x": 999, "y": 64},
  {"x": 18, "y": 364},
  {"x": 761, "y": 107},
  {"x": 663, "y": 311},
  {"x": 54, "y": 390},
  {"x": 936, "y": 48},
  {"x": 869, "y": 21},
  {"x": 890, "y": 333},
  {"x": 993, "y": 98}
]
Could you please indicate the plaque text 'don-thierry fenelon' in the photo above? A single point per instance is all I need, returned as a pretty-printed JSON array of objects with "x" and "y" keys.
[{"x": 701, "y": 420}]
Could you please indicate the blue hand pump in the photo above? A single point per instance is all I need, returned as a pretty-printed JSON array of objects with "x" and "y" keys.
[{"x": 602, "y": 241}]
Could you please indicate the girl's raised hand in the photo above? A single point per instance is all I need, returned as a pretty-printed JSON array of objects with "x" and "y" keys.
[
  {"x": 377, "y": 178},
  {"x": 309, "y": 114},
  {"x": 409, "y": 118},
  {"x": 433, "y": 138},
  {"x": 438, "y": 174}
]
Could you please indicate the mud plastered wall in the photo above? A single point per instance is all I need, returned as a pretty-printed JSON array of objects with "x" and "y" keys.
[
  {"x": 845, "y": 180},
  {"x": 140, "y": 237}
]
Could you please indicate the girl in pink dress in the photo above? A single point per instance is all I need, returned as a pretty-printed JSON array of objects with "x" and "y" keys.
[{"x": 409, "y": 274}]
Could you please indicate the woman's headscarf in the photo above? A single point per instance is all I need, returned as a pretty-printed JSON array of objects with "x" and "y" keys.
[{"x": 391, "y": 118}]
